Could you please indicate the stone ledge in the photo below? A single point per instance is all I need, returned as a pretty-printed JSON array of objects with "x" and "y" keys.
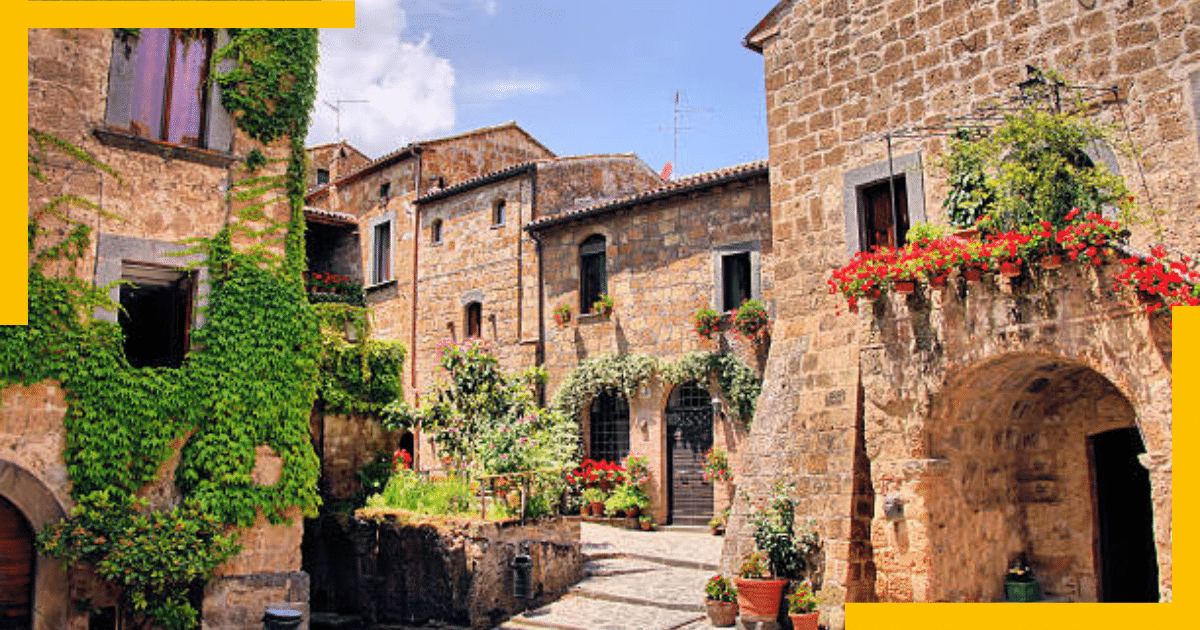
[{"x": 165, "y": 150}]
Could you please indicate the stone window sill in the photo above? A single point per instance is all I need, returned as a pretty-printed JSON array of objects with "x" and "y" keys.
[
  {"x": 379, "y": 285},
  {"x": 585, "y": 319},
  {"x": 165, "y": 150}
]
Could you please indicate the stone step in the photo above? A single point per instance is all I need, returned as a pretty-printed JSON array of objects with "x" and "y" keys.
[
  {"x": 650, "y": 584},
  {"x": 574, "y": 612},
  {"x": 636, "y": 601},
  {"x": 618, "y": 565}
]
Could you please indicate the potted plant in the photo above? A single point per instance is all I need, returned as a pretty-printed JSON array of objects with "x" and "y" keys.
[
  {"x": 1019, "y": 583},
  {"x": 720, "y": 601},
  {"x": 717, "y": 524},
  {"x": 802, "y": 607},
  {"x": 751, "y": 320},
  {"x": 626, "y": 500},
  {"x": 646, "y": 522},
  {"x": 757, "y": 593},
  {"x": 562, "y": 314},
  {"x": 603, "y": 306},
  {"x": 706, "y": 322},
  {"x": 716, "y": 466},
  {"x": 594, "y": 497}
]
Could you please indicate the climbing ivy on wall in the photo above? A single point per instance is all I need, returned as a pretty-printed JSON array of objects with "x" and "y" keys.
[
  {"x": 627, "y": 373},
  {"x": 250, "y": 380},
  {"x": 359, "y": 377}
]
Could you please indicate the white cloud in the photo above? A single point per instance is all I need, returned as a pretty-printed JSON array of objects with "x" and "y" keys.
[
  {"x": 409, "y": 88},
  {"x": 491, "y": 6}
]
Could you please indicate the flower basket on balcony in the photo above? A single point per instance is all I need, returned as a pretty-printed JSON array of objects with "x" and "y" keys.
[
  {"x": 562, "y": 314},
  {"x": 751, "y": 321},
  {"x": 603, "y": 306},
  {"x": 706, "y": 322}
]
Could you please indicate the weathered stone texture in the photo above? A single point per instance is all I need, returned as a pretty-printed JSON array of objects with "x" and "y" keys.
[
  {"x": 459, "y": 573},
  {"x": 347, "y": 444},
  {"x": 239, "y": 602},
  {"x": 839, "y": 73},
  {"x": 339, "y": 158}
]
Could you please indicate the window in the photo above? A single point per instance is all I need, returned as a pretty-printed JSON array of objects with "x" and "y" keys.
[
  {"x": 881, "y": 227},
  {"x": 322, "y": 176},
  {"x": 435, "y": 232},
  {"x": 156, "y": 310},
  {"x": 736, "y": 284},
  {"x": 609, "y": 433},
  {"x": 593, "y": 274},
  {"x": 381, "y": 253},
  {"x": 474, "y": 316},
  {"x": 385, "y": 191},
  {"x": 158, "y": 89},
  {"x": 498, "y": 212}
]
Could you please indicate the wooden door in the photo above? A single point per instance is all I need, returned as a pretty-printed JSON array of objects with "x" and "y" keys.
[{"x": 16, "y": 568}]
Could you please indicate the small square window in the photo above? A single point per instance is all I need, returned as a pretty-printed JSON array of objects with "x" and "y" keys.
[
  {"x": 498, "y": 209},
  {"x": 474, "y": 320},
  {"x": 156, "y": 314},
  {"x": 385, "y": 191},
  {"x": 322, "y": 176}
]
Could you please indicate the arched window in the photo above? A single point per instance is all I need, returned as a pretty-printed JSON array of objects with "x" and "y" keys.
[
  {"x": 435, "y": 232},
  {"x": 609, "y": 417},
  {"x": 474, "y": 317},
  {"x": 498, "y": 208},
  {"x": 593, "y": 272}
]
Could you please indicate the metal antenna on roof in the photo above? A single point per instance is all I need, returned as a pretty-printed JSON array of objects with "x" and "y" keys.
[
  {"x": 337, "y": 126},
  {"x": 675, "y": 128}
]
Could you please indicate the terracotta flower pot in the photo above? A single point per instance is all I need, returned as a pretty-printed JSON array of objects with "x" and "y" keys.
[
  {"x": 873, "y": 294},
  {"x": 970, "y": 234},
  {"x": 633, "y": 512},
  {"x": 598, "y": 509},
  {"x": 938, "y": 281},
  {"x": 1010, "y": 269},
  {"x": 905, "y": 286},
  {"x": 585, "y": 509},
  {"x": 973, "y": 273},
  {"x": 759, "y": 598},
  {"x": 646, "y": 525},
  {"x": 804, "y": 621},
  {"x": 721, "y": 614},
  {"x": 1053, "y": 261}
]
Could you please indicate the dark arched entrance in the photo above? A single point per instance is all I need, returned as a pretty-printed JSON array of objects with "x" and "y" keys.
[
  {"x": 1128, "y": 568},
  {"x": 689, "y": 435},
  {"x": 609, "y": 431},
  {"x": 16, "y": 568}
]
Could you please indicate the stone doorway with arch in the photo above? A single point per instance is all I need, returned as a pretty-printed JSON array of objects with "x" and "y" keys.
[
  {"x": 996, "y": 425},
  {"x": 689, "y": 428},
  {"x": 33, "y": 590}
]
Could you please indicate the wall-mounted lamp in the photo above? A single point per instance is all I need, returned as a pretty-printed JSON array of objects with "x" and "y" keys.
[
  {"x": 893, "y": 508},
  {"x": 718, "y": 410}
]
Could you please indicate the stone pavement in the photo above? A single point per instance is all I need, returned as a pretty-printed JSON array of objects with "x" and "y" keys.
[{"x": 634, "y": 581}]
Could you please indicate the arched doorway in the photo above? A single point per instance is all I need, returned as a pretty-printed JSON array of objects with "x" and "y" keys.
[
  {"x": 1038, "y": 458},
  {"x": 689, "y": 419},
  {"x": 609, "y": 430},
  {"x": 16, "y": 568}
]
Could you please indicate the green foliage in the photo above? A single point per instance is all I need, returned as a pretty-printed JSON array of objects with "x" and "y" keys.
[
  {"x": 969, "y": 198},
  {"x": 273, "y": 85},
  {"x": 774, "y": 536},
  {"x": 407, "y": 491},
  {"x": 624, "y": 373},
  {"x": 625, "y": 497},
  {"x": 153, "y": 558},
  {"x": 720, "y": 589},
  {"x": 361, "y": 377},
  {"x": 922, "y": 231},
  {"x": 737, "y": 381}
]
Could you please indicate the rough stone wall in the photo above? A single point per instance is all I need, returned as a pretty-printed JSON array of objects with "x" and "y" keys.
[
  {"x": 167, "y": 193},
  {"x": 660, "y": 259},
  {"x": 349, "y": 443},
  {"x": 391, "y": 572},
  {"x": 984, "y": 478},
  {"x": 837, "y": 72},
  {"x": 464, "y": 157},
  {"x": 339, "y": 158},
  {"x": 564, "y": 182},
  {"x": 476, "y": 261}
]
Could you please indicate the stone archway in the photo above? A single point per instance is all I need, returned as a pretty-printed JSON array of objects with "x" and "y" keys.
[
  {"x": 978, "y": 406},
  {"x": 39, "y": 507}
]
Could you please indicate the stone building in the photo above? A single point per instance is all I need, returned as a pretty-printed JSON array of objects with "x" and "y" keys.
[
  {"x": 666, "y": 252},
  {"x": 176, "y": 157},
  {"x": 935, "y": 438}
]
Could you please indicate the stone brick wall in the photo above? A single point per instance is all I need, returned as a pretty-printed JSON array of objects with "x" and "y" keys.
[
  {"x": 841, "y": 72},
  {"x": 661, "y": 258},
  {"x": 464, "y": 157},
  {"x": 339, "y": 158},
  {"x": 348, "y": 443},
  {"x": 564, "y": 183},
  {"x": 456, "y": 572}
]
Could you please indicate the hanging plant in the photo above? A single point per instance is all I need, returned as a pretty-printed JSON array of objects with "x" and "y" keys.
[
  {"x": 562, "y": 314},
  {"x": 706, "y": 322},
  {"x": 751, "y": 321}
]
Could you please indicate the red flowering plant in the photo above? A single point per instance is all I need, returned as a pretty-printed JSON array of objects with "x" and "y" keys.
[
  {"x": 594, "y": 473},
  {"x": 401, "y": 460},
  {"x": 1008, "y": 249},
  {"x": 1160, "y": 281},
  {"x": 867, "y": 275},
  {"x": 1088, "y": 237},
  {"x": 562, "y": 314},
  {"x": 706, "y": 322},
  {"x": 751, "y": 321},
  {"x": 716, "y": 466},
  {"x": 322, "y": 286}
]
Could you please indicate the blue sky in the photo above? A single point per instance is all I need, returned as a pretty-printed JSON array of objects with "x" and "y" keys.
[{"x": 581, "y": 76}]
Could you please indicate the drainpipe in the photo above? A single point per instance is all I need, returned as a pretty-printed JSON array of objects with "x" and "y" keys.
[
  {"x": 416, "y": 227},
  {"x": 540, "y": 351}
]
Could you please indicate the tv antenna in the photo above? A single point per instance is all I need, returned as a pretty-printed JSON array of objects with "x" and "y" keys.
[
  {"x": 675, "y": 128},
  {"x": 337, "y": 126}
]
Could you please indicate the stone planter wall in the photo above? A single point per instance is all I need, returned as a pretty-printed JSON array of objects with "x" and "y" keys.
[{"x": 390, "y": 572}]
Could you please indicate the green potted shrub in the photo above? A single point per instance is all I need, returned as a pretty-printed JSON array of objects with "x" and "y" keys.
[
  {"x": 603, "y": 306},
  {"x": 758, "y": 595},
  {"x": 1019, "y": 583},
  {"x": 720, "y": 601},
  {"x": 646, "y": 522},
  {"x": 802, "y": 607},
  {"x": 781, "y": 554},
  {"x": 594, "y": 497},
  {"x": 627, "y": 500}
]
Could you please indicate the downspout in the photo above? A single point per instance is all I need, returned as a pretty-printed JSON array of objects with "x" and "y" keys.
[
  {"x": 520, "y": 267},
  {"x": 416, "y": 242},
  {"x": 540, "y": 351}
]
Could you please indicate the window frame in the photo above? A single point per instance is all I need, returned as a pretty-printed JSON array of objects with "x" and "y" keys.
[
  {"x": 436, "y": 231},
  {"x": 374, "y": 266},
  {"x": 215, "y": 133},
  {"x": 719, "y": 255},
  {"x": 499, "y": 207},
  {"x": 322, "y": 176},
  {"x": 620, "y": 429},
  {"x": 594, "y": 247},
  {"x": 856, "y": 180},
  {"x": 473, "y": 320}
]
